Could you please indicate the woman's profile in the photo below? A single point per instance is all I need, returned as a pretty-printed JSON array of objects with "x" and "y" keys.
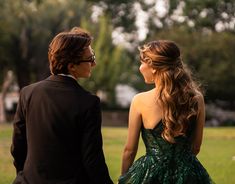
[{"x": 170, "y": 119}]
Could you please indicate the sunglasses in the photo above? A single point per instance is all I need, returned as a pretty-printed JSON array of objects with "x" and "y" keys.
[{"x": 90, "y": 59}]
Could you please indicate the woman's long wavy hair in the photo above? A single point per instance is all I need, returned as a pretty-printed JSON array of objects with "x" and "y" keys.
[{"x": 176, "y": 90}]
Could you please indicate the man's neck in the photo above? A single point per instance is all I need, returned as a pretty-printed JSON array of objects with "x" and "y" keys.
[{"x": 68, "y": 75}]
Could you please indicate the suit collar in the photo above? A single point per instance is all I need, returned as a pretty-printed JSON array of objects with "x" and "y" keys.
[{"x": 64, "y": 80}]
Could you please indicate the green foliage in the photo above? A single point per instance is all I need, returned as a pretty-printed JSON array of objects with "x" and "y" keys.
[
  {"x": 121, "y": 13},
  {"x": 31, "y": 26},
  {"x": 112, "y": 61},
  {"x": 27, "y": 28},
  {"x": 210, "y": 56},
  {"x": 215, "y": 11}
]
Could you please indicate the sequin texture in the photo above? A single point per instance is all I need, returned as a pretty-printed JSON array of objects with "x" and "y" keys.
[{"x": 165, "y": 163}]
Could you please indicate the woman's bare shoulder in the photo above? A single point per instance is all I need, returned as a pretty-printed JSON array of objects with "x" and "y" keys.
[
  {"x": 200, "y": 100},
  {"x": 142, "y": 96},
  {"x": 199, "y": 97}
]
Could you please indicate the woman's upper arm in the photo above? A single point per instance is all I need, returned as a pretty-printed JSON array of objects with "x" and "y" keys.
[
  {"x": 134, "y": 125},
  {"x": 198, "y": 134}
]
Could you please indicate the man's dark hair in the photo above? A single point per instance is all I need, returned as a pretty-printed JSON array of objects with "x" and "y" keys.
[{"x": 67, "y": 47}]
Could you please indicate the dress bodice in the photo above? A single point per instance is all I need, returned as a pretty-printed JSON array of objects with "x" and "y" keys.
[
  {"x": 166, "y": 163},
  {"x": 161, "y": 149}
]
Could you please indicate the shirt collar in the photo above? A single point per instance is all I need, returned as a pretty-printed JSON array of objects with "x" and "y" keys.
[{"x": 67, "y": 75}]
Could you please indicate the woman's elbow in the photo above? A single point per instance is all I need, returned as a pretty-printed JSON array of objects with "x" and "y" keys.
[
  {"x": 195, "y": 150},
  {"x": 129, "y": 153}
]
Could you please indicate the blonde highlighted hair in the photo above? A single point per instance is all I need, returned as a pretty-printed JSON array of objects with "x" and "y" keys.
[{"x": 176, "y": 90}]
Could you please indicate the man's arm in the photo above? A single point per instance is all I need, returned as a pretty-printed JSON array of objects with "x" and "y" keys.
[
  {"x": 19, "y": 142},
  {"x": 92, "y": 152}
]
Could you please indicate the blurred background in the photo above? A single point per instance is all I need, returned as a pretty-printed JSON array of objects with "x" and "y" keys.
[{"x": 204, "y": 30}]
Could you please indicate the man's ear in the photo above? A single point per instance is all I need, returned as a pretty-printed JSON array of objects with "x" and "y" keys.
[{"x": 71, "y": 67}]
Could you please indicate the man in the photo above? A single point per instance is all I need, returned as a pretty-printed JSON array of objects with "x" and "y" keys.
[{"x": 57, "y": 127}]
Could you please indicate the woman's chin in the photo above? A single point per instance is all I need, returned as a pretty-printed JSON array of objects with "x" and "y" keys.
[{"x": 149, "y": 82}]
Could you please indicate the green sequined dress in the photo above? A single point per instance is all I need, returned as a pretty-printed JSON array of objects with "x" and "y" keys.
[{"x": 165, "y": 163}]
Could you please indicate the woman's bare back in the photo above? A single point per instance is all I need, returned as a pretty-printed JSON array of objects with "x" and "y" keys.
[{"x": 149, "y": 107}]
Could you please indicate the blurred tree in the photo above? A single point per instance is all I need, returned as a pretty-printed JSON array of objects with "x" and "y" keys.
[
  {"x": 211, "y": 14},
  {"x": 32, "y": 24},
  {"x": 153, "y": 15},
  {"x": 112, "y": 62},
  {"x": 203, "y": 28},
  {"x": 120, "y": 11},
  {"x": 27, "y": 27},
  {"x": 211, "y": 56}
]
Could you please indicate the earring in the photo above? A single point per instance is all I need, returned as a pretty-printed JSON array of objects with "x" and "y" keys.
[
  {"x": 152, "y": 78},
  {"x": 153, "y": 75}
]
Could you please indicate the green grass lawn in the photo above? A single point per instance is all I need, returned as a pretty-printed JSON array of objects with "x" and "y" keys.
[{"x": 216, "y": 153}]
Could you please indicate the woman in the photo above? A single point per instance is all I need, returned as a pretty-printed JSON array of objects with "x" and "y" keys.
[{"x": 170, "y": 118}]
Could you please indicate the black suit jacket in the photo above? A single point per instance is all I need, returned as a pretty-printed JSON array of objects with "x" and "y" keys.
[{"x": 57, "y": 135}]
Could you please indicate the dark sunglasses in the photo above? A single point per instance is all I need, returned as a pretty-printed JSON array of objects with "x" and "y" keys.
[{"x": 90, "y": 59}]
